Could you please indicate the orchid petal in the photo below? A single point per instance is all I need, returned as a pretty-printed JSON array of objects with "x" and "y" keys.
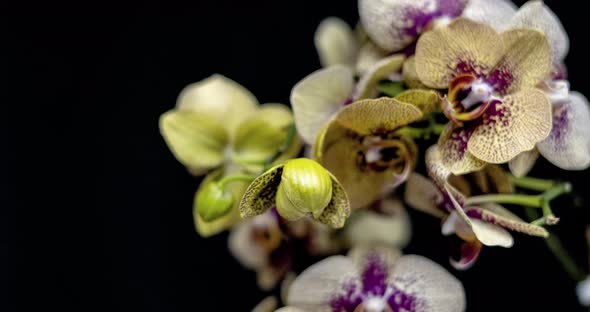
[
  {"x": 338, "y": 209},
  {"x": 568, "y": 144},
  {"x": 244, "y": 248},
  {"x": 462, "y": 47},
  {"x": 523, "y": 163},
  {"x": 434, "y": 288},
  {"x": 427, "y": 101},
  {"x": 261, "y": 193},
  {"x": 316, "y": 98},
  {"x": 268, "y": 304},
  {"x": 410, "y": 75},
  {"x": 318, "y": 285},
  {"x": 367, "y": 85},
  {"x": 225, "y": 101},
  {"x": 453, "y": 149},
  {"x": 511, "y": 127},
  {"x": 421, "y": 194},
  {"x": 335, "y": 42},
  {"x": 368, "y": 56},
  {"x": 496, "y": 13},
  {"x": 498, "y": 215},
  {"x": 536, "y": 15},
  {"x": 469, "y": 254}
]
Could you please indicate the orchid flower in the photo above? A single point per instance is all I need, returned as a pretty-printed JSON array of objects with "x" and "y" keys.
[
  {"x": 376, "y": 279},
  {"x": 218, "y": 124},
  {"x": 362, "y": 148},
  {"x": 298, "y": 188},
  {"x": 583, "y": 287},
  {"x": 396, "y": 24},
  {"x": 495, "y": 110}
]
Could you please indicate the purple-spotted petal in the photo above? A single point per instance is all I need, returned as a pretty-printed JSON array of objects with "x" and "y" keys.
[
  {"x": 495, "y": 13},
  {"x": 453, "y": 149},
  {"x": 536, "y": 15},
  {"x": 374, "y": 264},
  {"x": 568, "y": 144},
  {"x": 394, "y": 24},
  {"x": 469, "y": 254},
  {"x": 498, "y": 215},
  {"x": 328, "y": 285},
  {"x": 420, "y": 284},
  {"x": 522, "y": 164}
]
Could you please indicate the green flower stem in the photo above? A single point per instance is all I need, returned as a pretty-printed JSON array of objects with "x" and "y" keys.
[
  {"x": 534, "y": 201},
  {"x": 235, "y": 178},
  {"x": 532, "y": 184},
  {"x": 556, "y": 247}
]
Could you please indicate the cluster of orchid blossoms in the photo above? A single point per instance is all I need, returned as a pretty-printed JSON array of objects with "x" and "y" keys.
[{"x": 474, "y": 89}]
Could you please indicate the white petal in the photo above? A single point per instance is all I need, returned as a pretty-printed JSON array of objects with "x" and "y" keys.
[
  {"x": 392, "y": 229},
  {"x": 226, "y": 101},
  {"x": 335, "y": 42},
  {"x": 383, "y": 69},
  {"x": 522, "y": 164},
  {"x": 491, "y": 234},
  {"x": 536, "y": 15},
  {"x": 319, "y": 96},
  {"x": 319, "y": 284},
  {"x": 368, "y": 56},
  {"x": 291, "y": 309},
  {"x": 568, "y": 144},
  {"x": 435, "y": 288},
  {"x": 268, "y": 304},
  {"x": 583, "y": 291},
  {"x": 245, "y": 249},
  {"x": 421, "y": 194},
  {"x": 495, "y": 13}
]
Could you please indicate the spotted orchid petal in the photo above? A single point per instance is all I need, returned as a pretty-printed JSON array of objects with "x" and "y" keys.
[
  {"x": 422, "y": 194},
  {"x": 469, "y": 254},
  {"x": 319, "y": 96},
  {"x": 454, "y": 153},
  {"x": 522, "y": 164},
  {"x": 336, "y": 43},
  {"x": 568, "y": 144},
  {"x": 463, "y": 46},
  {"x": 536, "y": 15},
  {"x": 431, "y": 286},
  {"x": 258, "y": 138},
  {"x": 495, "y": 13},
  {"x": 367, "y": 85},
  {"x": 197, "y": 141},
  {"x": 316, "y": 287},
  {"x": 427, "y": 101},
  {"x": 341, "y": 144},
  {"x": 511, "y": 127},
  {"x": 394, "y": 24},
  {"x": 498, "y": 215},
  {"x": 210, "y": 228},
  {"x": 223, "y": 100},
  {"x": 390, "y": 226}
]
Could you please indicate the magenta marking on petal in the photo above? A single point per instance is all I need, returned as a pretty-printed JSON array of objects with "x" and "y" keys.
[
  {"x": 560, "y": 72},
  {"x": 374, "y": 276},
  {"x": 451, "y": 8},
  {"x": 410, "y": 50},
  {"x": 497, "y": 113},
  {"x": 419, "y": 18},
  {"x": 470, "y": 252},
  {"x": 560, "y": 125},
  {"x": 400, "y": 301},
  {"x": 445, "y": 203},
  {"x": 474, "y": 213},
  {"x": 500, "y": 79},
  {"x": 348, "y": 300}
]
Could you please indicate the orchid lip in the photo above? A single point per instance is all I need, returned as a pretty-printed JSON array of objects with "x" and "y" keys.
[{"x": 468, "y": 99}]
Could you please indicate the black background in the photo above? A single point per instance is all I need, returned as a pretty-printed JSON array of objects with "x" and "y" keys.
[{"x": 114, "y": 231}]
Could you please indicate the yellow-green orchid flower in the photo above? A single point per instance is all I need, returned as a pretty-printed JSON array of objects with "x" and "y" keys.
[{"x": 362, "y": 148}]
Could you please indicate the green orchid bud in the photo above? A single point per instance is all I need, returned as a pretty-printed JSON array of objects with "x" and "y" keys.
[
  {"x": 213, "y": 201},
  {"x": 305, "y": 187},
  {"x": 298, "y": 188}
]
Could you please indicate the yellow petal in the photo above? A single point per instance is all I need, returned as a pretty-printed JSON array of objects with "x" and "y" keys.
[
  {"x": 525, "y": 63},
  {"x": 317, "y": 97},
  {"x": 260, "y": 194},
  {"x": 224, "y": 100},
  {"x": 454, "y": 152},
  {"x": 338, "y": 209},
  {"x": 206, "y": 229},
  {"x": 367, "y": 85},
  {"x": 411, "y": 75},
  {"x": 446, "y": 51},
  {"x": 427, "y": 101},
  {"x": 335, "y": 43},
  {"x": 511, "y": 127},
  {"x": 195, "y": 139},
  {"x": 376, "y": 116},
  {"x": 259, "y": 138}
]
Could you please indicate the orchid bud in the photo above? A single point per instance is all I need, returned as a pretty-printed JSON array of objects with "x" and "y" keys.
[
  {"x": 305, "y": 187},
  {"x": 213, "y": 201}
]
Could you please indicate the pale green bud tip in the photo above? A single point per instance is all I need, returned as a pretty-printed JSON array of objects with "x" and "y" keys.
[
  {"x": 213, "y": 202},
  {"x": 306, "y": 187}
]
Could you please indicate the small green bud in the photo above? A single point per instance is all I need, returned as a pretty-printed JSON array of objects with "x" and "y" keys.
[
  {"x": 213, "y": 201},
  {"x": 306, "y": 187}
]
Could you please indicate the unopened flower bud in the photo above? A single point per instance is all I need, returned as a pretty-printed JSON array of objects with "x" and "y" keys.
[{"x": 213, "y": 201}]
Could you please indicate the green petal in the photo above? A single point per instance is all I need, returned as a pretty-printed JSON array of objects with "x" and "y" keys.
[
  {"x": 260, "y": 137},
  {"x": 338, "y": 210},
  {"x": 260, "y": 194},
  {"x": 224, "y": 100},
  {"x": 195, "y": 139}
]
